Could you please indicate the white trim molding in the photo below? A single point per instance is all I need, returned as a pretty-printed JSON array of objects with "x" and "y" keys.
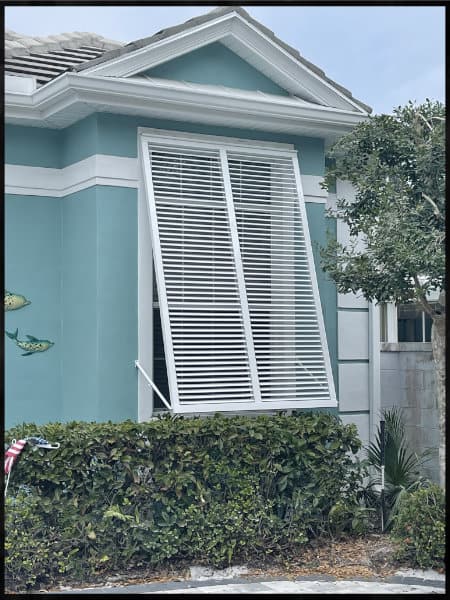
[
  {"x": 72, "y": 97},
  {"x": 98, "y": 169}
]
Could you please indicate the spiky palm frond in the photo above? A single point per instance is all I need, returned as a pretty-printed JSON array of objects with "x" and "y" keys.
[{"x": 402, "y": 465}]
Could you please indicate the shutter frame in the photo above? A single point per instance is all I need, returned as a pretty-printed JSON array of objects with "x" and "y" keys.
[{"x": 224, "y": 147}]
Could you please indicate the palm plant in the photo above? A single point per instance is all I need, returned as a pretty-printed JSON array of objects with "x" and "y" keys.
[{"x": 402, "y": 466}]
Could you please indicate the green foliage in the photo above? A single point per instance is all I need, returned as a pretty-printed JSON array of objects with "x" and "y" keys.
[
  {"x": 419, "y": 527},
  {"x": 402, "y": 465},
  {"x": 33, "y": 546},
  {"x": 115, "y": 496},
  {"x": 347, "y": 516},
  {"x": 396, "y": 164}
]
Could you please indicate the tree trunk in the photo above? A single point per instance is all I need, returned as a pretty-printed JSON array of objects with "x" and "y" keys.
[{"x": 438, "y": 345}]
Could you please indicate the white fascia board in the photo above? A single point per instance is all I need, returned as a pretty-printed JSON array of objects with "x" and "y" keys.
[
  {"x": 58, "y": 104},
  {"x": 166, "y": 49},
  {"x": 284, "y": 68},
  {"x": 247, "y": 41}
]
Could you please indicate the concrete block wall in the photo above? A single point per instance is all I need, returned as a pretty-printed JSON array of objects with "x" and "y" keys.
[{"x": 408, "y": 381}]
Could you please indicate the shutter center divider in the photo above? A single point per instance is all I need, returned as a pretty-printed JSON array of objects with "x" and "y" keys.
[{"x": 240, "y": 277}]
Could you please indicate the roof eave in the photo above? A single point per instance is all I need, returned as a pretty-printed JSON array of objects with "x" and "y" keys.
[{"x": 73, "y": 96}]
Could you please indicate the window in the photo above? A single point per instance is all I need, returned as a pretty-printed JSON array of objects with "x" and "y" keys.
[
  {"x": 239, "y": 305},
  {"x": 405, "y": 323},
  {"x": 414, "y": 325}
]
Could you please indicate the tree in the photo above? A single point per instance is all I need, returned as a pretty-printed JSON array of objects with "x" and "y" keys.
[{"x": 396, "y": 164}]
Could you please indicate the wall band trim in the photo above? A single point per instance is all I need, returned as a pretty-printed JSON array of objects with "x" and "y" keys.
[{"x": 100, "y": 169}]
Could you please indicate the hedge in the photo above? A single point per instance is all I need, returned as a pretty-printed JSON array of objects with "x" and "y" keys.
[
  {"x": 208, "y": 490},
  {"x": 419, "y": 528}
]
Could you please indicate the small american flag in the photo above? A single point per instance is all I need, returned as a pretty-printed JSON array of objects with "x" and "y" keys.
[{"x": 13, "y": 453}]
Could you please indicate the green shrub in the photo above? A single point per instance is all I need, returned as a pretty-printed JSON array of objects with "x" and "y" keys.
[
  {"x": 34, "y": 549},
  {"x": 419, "y": 527},
  {"x": 115, "y": 496}
]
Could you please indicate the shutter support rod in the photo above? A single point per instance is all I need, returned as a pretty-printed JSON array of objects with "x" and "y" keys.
[{"x": 152, "y": 384}]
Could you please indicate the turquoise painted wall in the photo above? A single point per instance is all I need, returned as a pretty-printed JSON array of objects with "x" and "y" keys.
[
  {"x": 79, "y": 306},
  {"x": 99, "y": 312},
  {"x": 79, "y": 141},
  {"x": 117, "y": 301},
  {"x": 32, "y": 146},
  {"x": 75, "y": 258},
  {"x": 33, "y": 268},
  {"x": 215, "y": 64},
  {"x": 319, "y": 225}
]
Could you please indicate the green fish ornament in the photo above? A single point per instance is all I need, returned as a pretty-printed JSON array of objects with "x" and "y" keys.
[
  {"x": 32, "y": 346},
  {"x": 15, "y": 301}
]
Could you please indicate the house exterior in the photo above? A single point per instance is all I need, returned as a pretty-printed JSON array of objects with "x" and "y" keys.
[{"x": 163, "y": 217}]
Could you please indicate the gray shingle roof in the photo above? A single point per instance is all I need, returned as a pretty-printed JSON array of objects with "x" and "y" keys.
[
  {"x": 47, "y": 57},
  {"x": 213, "y": 14}
]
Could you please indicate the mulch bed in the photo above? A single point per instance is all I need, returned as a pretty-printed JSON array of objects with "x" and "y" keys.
[{"x": 356, "y": 557}]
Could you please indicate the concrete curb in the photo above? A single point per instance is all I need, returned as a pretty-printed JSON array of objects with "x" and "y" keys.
[{"x": 166, "y": 587}]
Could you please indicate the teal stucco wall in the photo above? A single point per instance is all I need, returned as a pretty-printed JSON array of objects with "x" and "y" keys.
[
  {"x": 76, "y": 257},
  {"x": 33, "y": 269},
  {"x": 215, "y": 64}
]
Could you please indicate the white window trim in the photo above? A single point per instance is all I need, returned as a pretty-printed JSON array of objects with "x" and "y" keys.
[{"x": 146, "y": 135}]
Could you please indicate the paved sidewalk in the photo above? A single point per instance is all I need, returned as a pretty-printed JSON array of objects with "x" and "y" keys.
[{"x": 399, "y": 584}]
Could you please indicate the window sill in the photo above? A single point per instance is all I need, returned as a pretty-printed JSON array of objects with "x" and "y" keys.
[{"x": 405, "y": 347}]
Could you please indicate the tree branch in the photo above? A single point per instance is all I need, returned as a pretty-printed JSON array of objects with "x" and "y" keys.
[
  {"x": 425, "y": 121},
  {"x": 436, "y": 210},
  {"x": 423, "y": 299}
]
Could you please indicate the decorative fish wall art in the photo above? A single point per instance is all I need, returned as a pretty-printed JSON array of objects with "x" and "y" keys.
[
  {"x": 15, "y": 301},
  {"x": 33, "y": 345}
]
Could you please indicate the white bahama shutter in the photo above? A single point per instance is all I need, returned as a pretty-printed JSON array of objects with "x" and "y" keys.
[{"x": 240, "y": 310}]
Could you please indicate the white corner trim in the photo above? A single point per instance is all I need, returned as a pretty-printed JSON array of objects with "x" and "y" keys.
[
  {"x": 99, "y": 169},
  {"x": 374, "y": 369}
]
